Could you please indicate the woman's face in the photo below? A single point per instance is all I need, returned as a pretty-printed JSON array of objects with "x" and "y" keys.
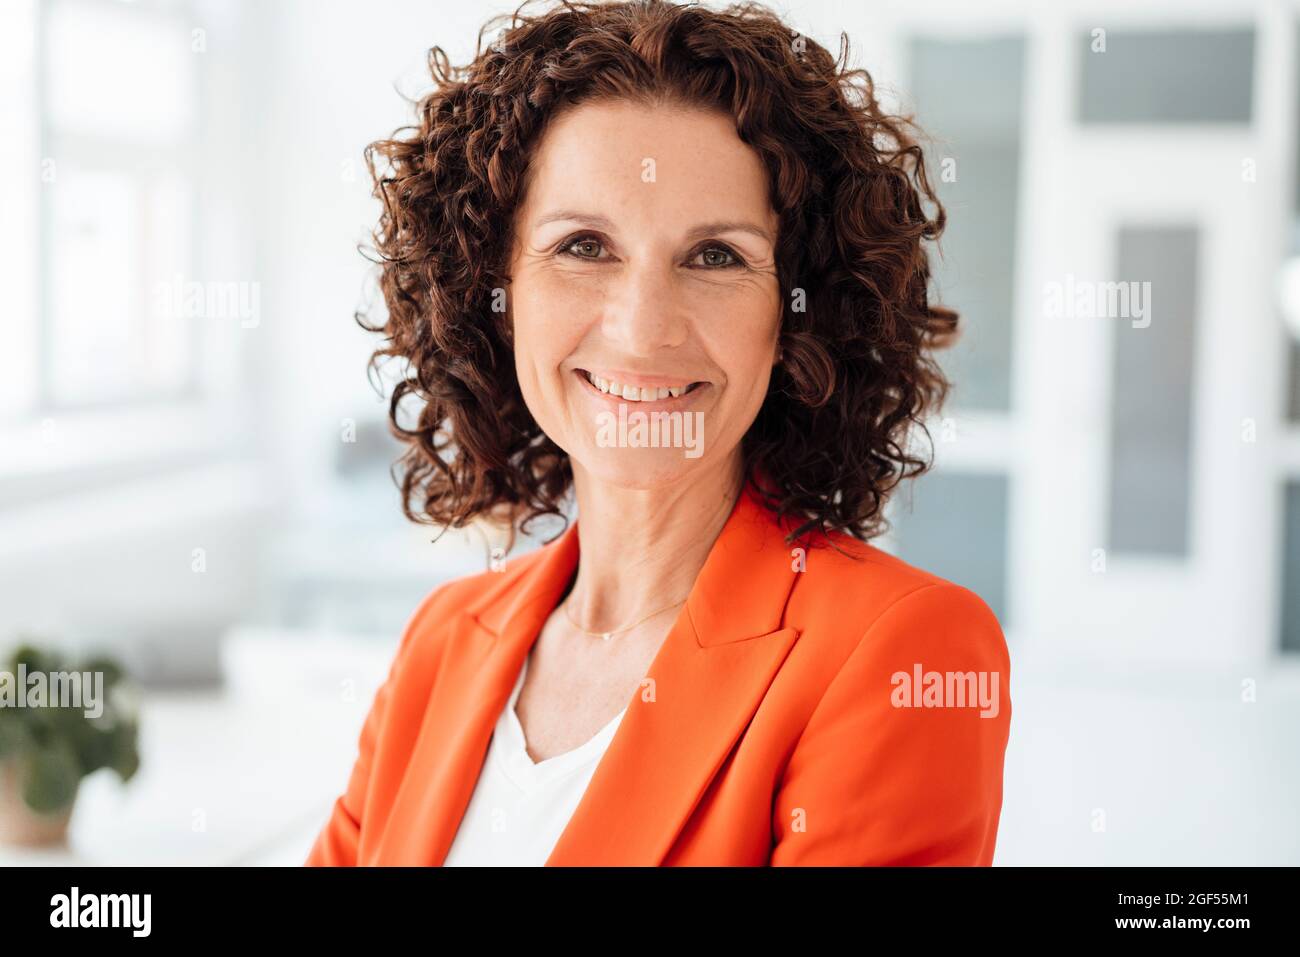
[{"x": 644, "y": 264}]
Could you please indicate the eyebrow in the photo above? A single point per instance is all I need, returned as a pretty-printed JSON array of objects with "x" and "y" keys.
[{"x": 596, "y": 221}]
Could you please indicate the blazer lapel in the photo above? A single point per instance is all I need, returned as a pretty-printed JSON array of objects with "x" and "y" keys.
[
  {"x": 702, "y": 689},
  {"x": 488, "y": 644}
]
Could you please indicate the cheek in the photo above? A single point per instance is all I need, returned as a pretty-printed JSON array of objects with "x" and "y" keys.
[
  {"x": 531, "y": 321},
  {"x": 754, "y": 391},
  {"x": 551, "y": 321},
  {"x": 546, "y": 332},
  {"x": 746, "y": 357}
]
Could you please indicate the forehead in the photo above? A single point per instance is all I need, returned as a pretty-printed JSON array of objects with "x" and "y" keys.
[{"x": 626, "y": 159}]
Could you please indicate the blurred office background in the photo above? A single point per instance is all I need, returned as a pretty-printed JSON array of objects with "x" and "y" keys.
[{"x": 194, "y": 467}]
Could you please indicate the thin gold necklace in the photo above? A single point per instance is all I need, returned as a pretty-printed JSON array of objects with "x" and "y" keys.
[{"x": 607, "y": 635}]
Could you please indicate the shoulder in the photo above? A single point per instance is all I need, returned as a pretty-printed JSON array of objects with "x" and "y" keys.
[
  {"x": 904, "y": 717},
  {"x": 861, "y": 598},
  {"x": 431, "y": 621}
]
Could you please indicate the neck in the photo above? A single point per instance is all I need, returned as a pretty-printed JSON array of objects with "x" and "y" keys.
[{"x": 641, "y": 549}]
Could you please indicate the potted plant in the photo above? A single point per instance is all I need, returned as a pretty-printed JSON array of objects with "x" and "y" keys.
[{"x": 50, "y": 739}]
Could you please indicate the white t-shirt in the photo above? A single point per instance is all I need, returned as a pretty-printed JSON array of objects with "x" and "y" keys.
[{"x": 519, "y": 808}]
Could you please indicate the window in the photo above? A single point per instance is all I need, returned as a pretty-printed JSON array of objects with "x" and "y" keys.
[
  {"x": 19, "y": 175},
  {"x": 968, "y": 98},
  {"x": 106, "y": 135},
  {"x": 1161, "y": 76},
  {"x": 1151, "y": 395},
  {"x": 1291, "y": 568},
  {"x": 1290, "y": 476},
  {"x": 954, "y": 526}
]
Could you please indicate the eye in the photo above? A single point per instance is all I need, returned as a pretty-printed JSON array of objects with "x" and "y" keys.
[
  {"x": 577, "y": 242},
  {"x": 722, "y": 256},
  {"x": 723, "y": 251}
]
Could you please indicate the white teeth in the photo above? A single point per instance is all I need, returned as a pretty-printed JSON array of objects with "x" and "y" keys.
[{"x": 632, "y": 393}]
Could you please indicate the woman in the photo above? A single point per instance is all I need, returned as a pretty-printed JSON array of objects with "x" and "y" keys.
[{"x": 669, "y": 260}]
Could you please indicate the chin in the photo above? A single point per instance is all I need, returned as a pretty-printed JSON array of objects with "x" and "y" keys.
[{"x": 639, "y": 468}]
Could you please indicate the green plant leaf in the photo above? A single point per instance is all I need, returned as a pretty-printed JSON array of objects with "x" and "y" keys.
[
  {"x": 50, "y": 778},
  {"x": 113, "y": 673},
  {"x": 56, "y": 747},
  {"x": 125, "y": 757},
  {"x": 15, "y": 738}
]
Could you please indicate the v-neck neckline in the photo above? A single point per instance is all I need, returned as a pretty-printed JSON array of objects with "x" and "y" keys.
[{"x": 513, "y": 752}]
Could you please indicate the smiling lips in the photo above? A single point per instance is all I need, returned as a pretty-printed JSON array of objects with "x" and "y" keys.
[{"x": 652, "y": 391}]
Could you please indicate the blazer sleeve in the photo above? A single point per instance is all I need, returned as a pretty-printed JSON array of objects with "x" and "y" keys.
[
  {"x": 336, "y": 844},
  {"x": 876, "y": 779}
]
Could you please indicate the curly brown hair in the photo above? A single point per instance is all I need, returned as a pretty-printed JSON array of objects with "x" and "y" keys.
[{"x": 848, "y": 182}]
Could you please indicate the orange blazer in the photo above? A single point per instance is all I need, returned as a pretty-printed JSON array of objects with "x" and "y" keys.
[{"x": 801, "y": 710}]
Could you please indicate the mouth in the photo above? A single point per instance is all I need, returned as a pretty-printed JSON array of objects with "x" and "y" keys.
[{"x": 639, "y": 388}]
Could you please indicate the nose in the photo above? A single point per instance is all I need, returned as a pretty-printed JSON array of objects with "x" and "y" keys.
[{"x": 644, "y": 314}]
